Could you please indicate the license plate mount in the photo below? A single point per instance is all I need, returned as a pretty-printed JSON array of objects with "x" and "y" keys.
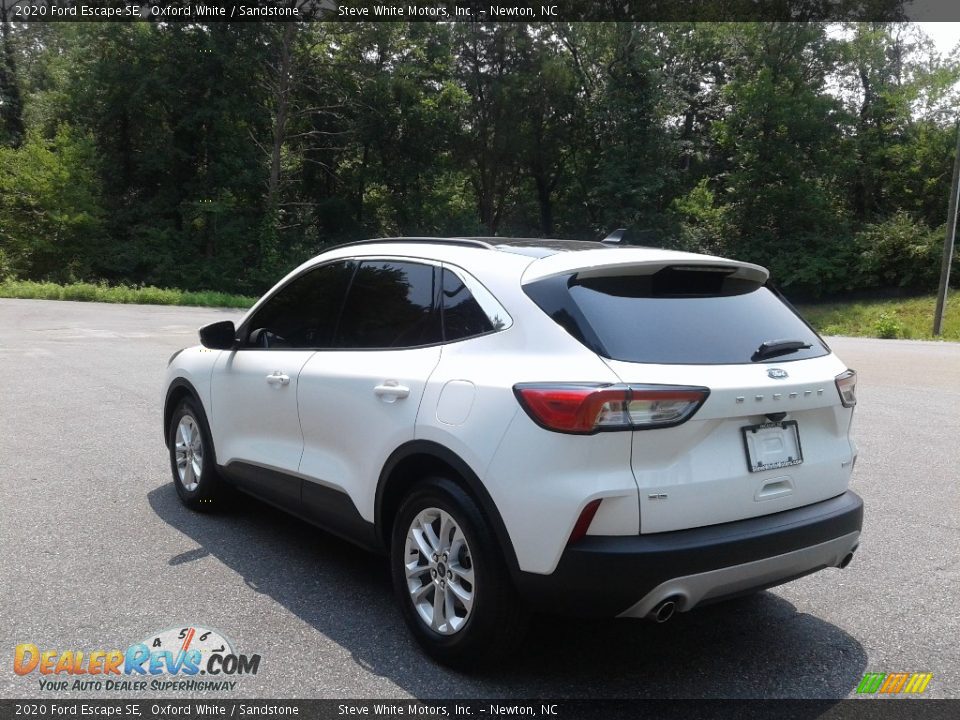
[{"x": 772, "y": 445}]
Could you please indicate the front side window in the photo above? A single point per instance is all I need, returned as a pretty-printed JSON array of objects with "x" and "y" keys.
[
  {"x": 391, "y": 304},
  {"x": 303, "y": 313}
]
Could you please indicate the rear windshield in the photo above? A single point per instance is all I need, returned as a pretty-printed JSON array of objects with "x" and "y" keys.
[{"x": 677, "y": 316}]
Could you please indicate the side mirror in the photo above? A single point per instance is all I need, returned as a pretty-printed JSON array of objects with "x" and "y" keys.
[{"x": 219, "y": 335}]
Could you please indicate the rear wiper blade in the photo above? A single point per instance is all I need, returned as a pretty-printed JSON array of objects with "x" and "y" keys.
[{"x": 775, "y": 348}]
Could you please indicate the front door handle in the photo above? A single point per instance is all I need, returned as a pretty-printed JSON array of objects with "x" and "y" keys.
[
  {"x": 278, "y": 378},
  {"x": 391, "y": 391}
]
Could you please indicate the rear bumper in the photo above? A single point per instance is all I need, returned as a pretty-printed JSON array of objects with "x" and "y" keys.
[{"x": 629, "y": 575}]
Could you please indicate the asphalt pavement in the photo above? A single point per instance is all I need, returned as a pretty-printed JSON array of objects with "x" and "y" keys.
[{"x": 98, "y": 553}]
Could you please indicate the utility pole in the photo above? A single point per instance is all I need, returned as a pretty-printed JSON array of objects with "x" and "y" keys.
[{"x": 948, "y": 241}]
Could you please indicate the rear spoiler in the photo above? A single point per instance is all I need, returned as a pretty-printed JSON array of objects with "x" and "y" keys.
[{"x": 637, "y": 261}]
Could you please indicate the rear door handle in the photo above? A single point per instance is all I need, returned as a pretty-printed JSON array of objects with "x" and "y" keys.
[
  {"x": 278, "y": 378},
  {"x": 391, "y": 391}
]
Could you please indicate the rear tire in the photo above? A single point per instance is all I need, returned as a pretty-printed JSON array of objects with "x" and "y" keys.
[
  {"x": 192, "y": 460},
  {"x": 450, "y": 578}
]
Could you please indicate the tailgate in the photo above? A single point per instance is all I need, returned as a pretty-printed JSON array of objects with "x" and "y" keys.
[{"x": 698, "y": 473}]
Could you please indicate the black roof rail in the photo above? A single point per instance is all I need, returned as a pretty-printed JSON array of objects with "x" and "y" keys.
[{"x": 466, "y": 242}]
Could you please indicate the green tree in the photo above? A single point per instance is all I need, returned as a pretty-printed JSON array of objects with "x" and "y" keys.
[
  {"x": 50, "y": 219},
  {"x": 172, "y": 108},
  {"x": 217, "y": 156},
  {"x": 779, "y": 140},
  {"x": 492, "y": 62},
  {"x": 11, "y": 104},
  {"x": 901, "y": 97}
]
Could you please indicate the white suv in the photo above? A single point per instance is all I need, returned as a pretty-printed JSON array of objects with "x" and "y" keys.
[{"x": 530, "y": 424}]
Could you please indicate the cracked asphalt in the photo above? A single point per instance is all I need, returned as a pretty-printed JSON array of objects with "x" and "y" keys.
[{"x": 98, "y": 552}]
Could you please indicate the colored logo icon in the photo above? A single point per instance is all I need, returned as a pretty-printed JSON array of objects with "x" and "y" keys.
[{"x": 894, "y": 683}]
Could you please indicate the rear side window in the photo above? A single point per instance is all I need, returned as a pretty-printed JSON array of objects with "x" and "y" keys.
[
  {"x": 391, "y": 305},
  {"x": 674, "y": 316},
  {"x": 462, "y": 315},
  {"x": 303, "y": 313}
]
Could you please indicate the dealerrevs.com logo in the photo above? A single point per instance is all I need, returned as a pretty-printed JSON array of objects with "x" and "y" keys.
[{"x": 170, "y": 660}]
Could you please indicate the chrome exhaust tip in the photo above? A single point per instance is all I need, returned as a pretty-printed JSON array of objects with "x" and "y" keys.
[{"x": 663, "y": 611}]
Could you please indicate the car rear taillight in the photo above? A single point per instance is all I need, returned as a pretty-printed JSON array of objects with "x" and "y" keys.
[
  {"x": 585, "y": 408},
  {"x": 847, "y": 387}
]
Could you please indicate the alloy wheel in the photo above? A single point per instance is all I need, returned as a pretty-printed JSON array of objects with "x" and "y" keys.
[
  {"x": 188, "y": 449},
  {"x": 439, "y": 571}
]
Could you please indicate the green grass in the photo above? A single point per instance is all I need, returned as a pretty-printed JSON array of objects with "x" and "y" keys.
[
  {"x": 896, "y": 318},
  {"x": 145, "y": 295}
]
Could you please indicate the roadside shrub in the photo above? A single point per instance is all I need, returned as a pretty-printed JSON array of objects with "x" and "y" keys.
[
  {"x": 886, "y": 326},
  {"x": 156, "y": 296},
  {"x": 145, "y": 295},
  {"x": 30, "y": 290},
  {"x": 900, "y": 252},
  {"x": 119, "y": 294},
  {"x": 79, "y": 291}
]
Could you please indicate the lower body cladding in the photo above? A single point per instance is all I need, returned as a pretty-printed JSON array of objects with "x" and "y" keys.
[{"x": 650, "y": 576}]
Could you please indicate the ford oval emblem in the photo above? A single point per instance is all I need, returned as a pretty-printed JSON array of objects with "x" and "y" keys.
[{"x": 777, "y": 373}]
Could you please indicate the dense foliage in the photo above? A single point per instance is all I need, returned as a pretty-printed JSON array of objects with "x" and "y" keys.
[{"x": 215, "y": 157}]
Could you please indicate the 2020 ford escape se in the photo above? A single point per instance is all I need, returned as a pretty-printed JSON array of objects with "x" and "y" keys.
[{"x": 530, "y": 424}]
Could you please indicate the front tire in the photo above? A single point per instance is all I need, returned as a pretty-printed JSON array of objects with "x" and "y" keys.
[
  {"x": 450, "y": 578},
  {"x": 192, "y": 461}
]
